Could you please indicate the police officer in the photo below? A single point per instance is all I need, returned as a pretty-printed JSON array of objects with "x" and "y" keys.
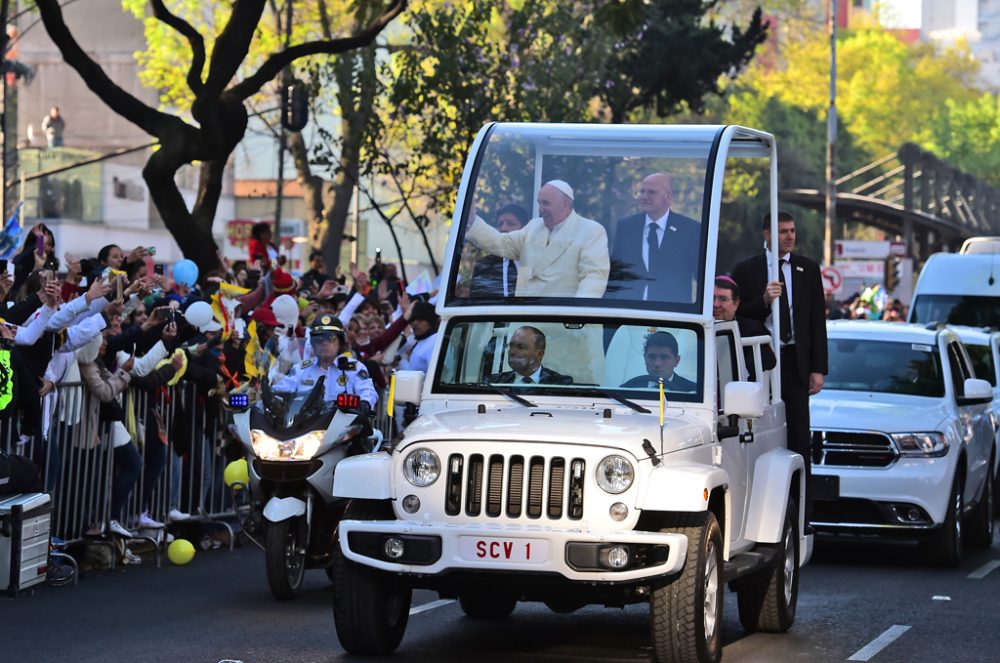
[{"x": 344, "y": 374}]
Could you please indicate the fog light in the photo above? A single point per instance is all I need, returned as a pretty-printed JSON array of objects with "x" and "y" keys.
[
  {"x": 615, "y": 558},
  {"x": 393, "y": 548},
  {"x": 618, "y": 511},
  {"x": 411, "y": 504},
  {"x": 913, "y": 514}
]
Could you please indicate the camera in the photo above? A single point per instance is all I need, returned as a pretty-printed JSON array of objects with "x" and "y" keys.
[{"x": 158, "y": 269}]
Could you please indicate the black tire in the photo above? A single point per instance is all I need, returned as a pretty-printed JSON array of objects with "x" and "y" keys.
[
  {"x": 767, "y": 599},
  {"x": 370, "y": 607},
  {"x": 981, "y": 518},
  {"x": 486, "y": 605},
  {"x": 686, "y": 614},
  {"x": 945, "y": 547},
  {"x": 285, "y": 558}
]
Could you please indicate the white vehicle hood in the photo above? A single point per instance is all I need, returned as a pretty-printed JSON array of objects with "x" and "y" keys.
[
  {"x": 565, "y": 425},
  {"x": 861, "y": 410}
]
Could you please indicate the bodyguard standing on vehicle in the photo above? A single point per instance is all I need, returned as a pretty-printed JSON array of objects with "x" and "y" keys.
[
  {"x": 344, "y": 374},
  {"x": 799, "y": 290}
]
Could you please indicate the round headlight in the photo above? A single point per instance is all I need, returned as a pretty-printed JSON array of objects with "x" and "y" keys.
[
  {"x": 615, "y": 474},
  {"x": 421, "y": 467}
]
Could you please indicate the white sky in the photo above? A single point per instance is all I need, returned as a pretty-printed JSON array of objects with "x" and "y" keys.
[{"x": 902, "y": 13}]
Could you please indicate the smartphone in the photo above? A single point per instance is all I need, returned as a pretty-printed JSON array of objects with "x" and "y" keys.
[
  {"x": 40, "y": 244},
  {"x": 118, "y": 288},
  {"x": 158, "y": 269},
  {"x": 161, "y": 313},
  {"x": 151, "y": 250},
  {"x": 253, "y": 278},
  {"x": 3, "y": 266}
]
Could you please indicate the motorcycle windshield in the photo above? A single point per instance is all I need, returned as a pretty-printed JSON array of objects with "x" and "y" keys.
[{"x": 293, "y": 388}]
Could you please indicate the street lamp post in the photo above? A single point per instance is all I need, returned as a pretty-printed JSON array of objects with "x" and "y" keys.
[{"x": 831, "y": 141}]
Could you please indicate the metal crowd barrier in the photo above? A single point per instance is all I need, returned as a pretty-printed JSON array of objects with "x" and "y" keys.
[{"x": 180, "y": 437}]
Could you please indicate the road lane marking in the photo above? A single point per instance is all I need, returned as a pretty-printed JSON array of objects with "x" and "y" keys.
[
  {"x": 430, "y": 606},
  {"x": 984, "y": 570},
  {"x": 878, "y": 644}
]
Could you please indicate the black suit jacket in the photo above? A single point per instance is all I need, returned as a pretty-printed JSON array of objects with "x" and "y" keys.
[
  {"x": 676, "y": 260},
  {"x": 808, "y": 307},
  {"x": 749, "y": 327},
  {"x": 487, "y": 277},
  {"x": 677, "y": 383},
  {"x": 546, "y": 376}
]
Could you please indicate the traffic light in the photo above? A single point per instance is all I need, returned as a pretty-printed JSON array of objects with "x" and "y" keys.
[
  {"x": 893, "y": 273},
  {"x": 294, "y": 105}
]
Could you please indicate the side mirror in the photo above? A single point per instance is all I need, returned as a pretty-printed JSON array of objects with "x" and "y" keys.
[
  {"x": 976, "y": 391},
  {"x": 745, "y": 399},
  {"x": 409, "y": 387}
]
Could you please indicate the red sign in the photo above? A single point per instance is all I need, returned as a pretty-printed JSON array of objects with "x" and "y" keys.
[{"x": 833, "y": 279}]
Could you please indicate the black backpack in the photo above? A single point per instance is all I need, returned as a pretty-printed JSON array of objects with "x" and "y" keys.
[{"x": 19, "y": 475}]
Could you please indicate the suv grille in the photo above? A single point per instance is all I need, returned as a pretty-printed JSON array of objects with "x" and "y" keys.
[
  {"x": 853, "y": 449},
  {"x": 514, "y": 486}
]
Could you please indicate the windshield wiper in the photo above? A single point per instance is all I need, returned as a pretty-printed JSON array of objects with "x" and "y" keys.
[
  {"x": 624, "y": 401},
  {"x": 507, "y": 391}
]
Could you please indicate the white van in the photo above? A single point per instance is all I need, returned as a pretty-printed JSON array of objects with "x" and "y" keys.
[
  {"x": 958, "y": 289},
  {"x": 981, "y": 245}
]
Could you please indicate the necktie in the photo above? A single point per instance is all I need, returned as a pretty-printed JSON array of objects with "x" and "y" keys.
[
  {"x": 527, "y": 380},
  {"x": 783, "y": 306},
  {"x": 652, "y": 245}
]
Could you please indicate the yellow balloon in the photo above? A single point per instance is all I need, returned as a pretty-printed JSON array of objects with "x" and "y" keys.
[
  {"x": 236, "y": 472},
  {"x": 180, "y": 552}
]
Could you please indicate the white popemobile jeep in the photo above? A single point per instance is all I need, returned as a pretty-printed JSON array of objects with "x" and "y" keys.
[{"x": 591, "y": 484}]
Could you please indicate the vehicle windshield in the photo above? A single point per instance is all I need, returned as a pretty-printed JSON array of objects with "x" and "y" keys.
[
  {"x": 559, "y": 215},
  {"x": 293, "y": 389},
  {"x": 982, "y": 362},
  {"x": 969, "y": 310},
  {"x": 884, "y": 366},
  {"x": 577, "y": 357}
]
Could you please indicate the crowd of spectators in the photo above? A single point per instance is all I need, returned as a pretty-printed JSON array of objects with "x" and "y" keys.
[
  {"x": 868, "y": 304},
  {"x": 117, "y": 325}
]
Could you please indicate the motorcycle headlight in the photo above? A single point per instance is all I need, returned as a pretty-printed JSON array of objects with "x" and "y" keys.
[
  {"x": 615, "y": 474},
  {"x": 303, "y": 447},
  {"x": 421, "y": 467},
  {"x": 922, "y": 445}
]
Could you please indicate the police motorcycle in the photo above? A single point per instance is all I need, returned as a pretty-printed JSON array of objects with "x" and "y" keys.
[{"x": 312, "y": 409}]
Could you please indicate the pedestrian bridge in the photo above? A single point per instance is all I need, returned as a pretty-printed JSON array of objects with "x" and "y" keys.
[{"x": 931, "y": 205}]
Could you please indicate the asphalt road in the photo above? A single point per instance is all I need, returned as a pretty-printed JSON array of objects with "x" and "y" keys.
[{"x": 854, "y": 598}]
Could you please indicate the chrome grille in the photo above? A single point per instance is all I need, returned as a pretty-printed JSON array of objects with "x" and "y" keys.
[
  {"x": 515, "y": 486},
  {"x": 852, "y": 449}
]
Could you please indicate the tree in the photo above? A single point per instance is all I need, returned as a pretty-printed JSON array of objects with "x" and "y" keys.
[
  {"x": 465, "y": 64},
  {"x": 218, "y": 103}
]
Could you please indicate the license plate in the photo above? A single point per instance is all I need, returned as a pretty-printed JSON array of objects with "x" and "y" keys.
[{"x": 487, "y": 549}]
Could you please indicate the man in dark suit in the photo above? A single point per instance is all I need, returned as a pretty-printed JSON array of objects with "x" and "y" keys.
[
  {"x": 724, "y": 306},
  {"x": 524, "y": 354},
  {"x": 655, "y": 253},
  {"x": 802, "y": 326},
  {"x": 493, "y": 276},
  {"x": 662, "y": 356}
]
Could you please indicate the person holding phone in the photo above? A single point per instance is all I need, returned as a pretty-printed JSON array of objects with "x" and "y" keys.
[{"x": 38, "y": 246}]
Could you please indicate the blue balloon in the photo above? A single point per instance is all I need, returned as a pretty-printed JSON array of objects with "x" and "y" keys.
[{"x": 186, "y": 272}]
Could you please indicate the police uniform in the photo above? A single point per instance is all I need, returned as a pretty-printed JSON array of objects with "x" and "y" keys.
[{"x": 353, "y": 380}]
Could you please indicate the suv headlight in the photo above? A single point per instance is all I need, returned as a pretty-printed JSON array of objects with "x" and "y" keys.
[
  {"x": 421, "y": 467},
  {"x": 615, "y": 474},
  {"x": 303, "y": 447},
  {"x": 922, "y": 445}
]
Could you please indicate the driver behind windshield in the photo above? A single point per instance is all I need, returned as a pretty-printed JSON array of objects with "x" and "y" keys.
[
  {"x": 524, "y": 354},
  {"x": 343, "y": 374},
  {"x": 662, "y": 356}
]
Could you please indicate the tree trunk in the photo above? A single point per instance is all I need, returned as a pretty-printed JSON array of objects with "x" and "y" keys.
[{"x": 312, "y": 188}]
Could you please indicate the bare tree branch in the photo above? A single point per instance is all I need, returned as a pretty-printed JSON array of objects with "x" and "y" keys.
[
  {"x": 194, "y": 38},
  {"x": 232, "y": 45},
  {"x": 274, "y": 64},
  {"x": 150, "y": 120}
]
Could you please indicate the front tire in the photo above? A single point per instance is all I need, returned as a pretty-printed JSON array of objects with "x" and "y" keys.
[
  {"x": 370, "y": 607},
  {"x": 481, "y": 605},
  {"x": 767, "y": 599},
  {"x": 945, "y": 548},
  {"x": 981, "y": 521},
  {"x": 686, "y": 614},
  {"x": 285, "y": 558}
]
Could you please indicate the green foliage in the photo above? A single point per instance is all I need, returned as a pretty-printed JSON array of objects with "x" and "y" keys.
[{"x": 968, "y": 136}]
